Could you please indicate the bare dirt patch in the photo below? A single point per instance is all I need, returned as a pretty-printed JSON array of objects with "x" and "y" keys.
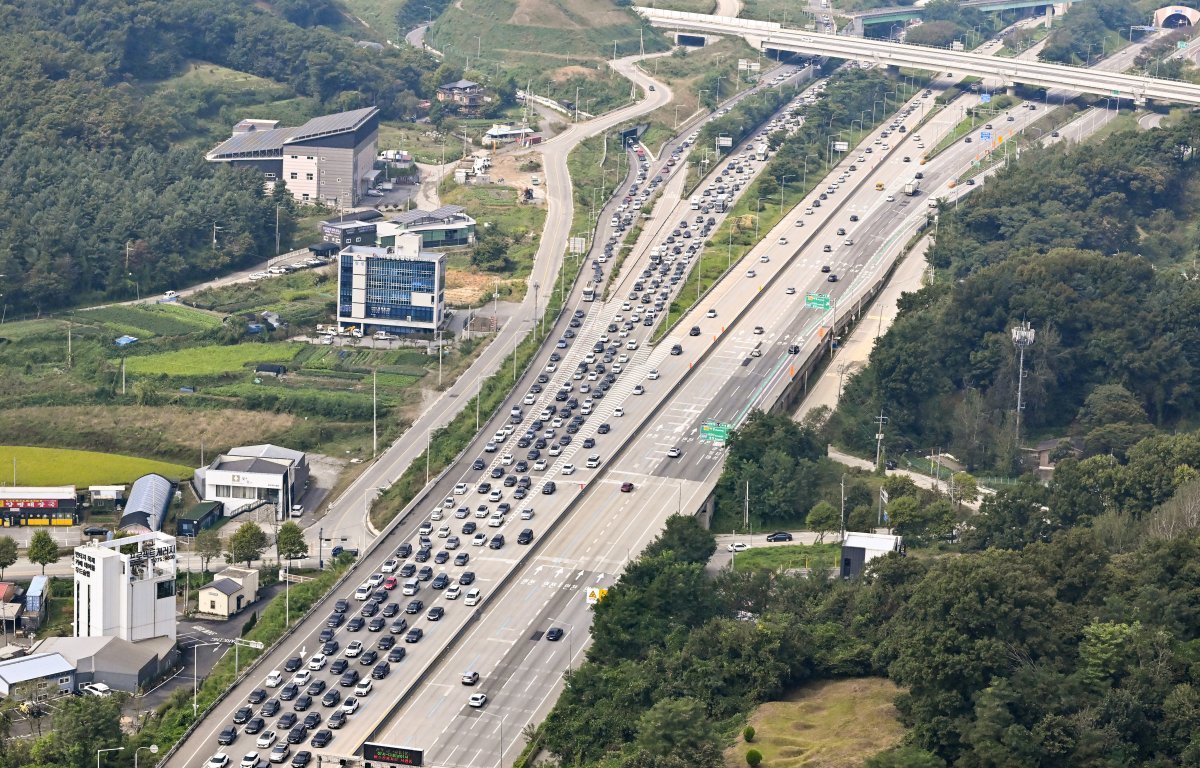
[
  {"x": 541, "y": 13},
  {"x": 562, "y": 74}
]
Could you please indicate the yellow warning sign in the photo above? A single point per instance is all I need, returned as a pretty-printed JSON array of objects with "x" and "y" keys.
[{"x": 596, "y": 594}]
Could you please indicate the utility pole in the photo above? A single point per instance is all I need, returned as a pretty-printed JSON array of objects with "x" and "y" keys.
[
  {"x": 880, "y": 420},
  {"x": 842, "y": 513},
  {"x": 1022, "y": 336},
  {"x": 277, "y": 229},
  {"x": 374, "y": 415},
  {"x": 746, "y": 513}
]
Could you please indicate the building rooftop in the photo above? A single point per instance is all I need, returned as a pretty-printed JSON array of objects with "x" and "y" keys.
[
  {"x": 261, "y": 466},
  {"x": 38, "y": 492},
  {"x": 270, "y": 142},
  {"x": 198, "y": 511},
  {"x": 459, "y": 85},
  {"x": 38, "y": 586},
  {"x": 89, "y": 654},
  {"x": 396, "y": 252},
  {"x": 148, "y": 502},
  {"x": 343, "y": 225},
  {"x": 445, "y": 215},
  {"x": 225, "y": 586},
  {"x": 267, "y": 451},
  {"x": 34, "y": 667}
]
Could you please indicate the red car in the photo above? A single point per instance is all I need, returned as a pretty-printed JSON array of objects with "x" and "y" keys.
[
  {"x": 626, "y": 487},
  {"x": 389, "y": 582}
]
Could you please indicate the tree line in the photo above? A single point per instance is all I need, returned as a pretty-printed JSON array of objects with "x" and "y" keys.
[{"x": 1094, "y": 248}]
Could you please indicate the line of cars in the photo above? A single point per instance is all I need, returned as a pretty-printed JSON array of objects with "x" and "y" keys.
[{"x": 285, "y": 269}]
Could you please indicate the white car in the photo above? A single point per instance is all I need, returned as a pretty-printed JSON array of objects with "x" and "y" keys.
[
  {"x": 354, "y": 649},
  {"x": 477, "y": 700},
  {"x": 265, "y": 740},
  {"x": 496, "y": 520},
  {"x": 568, "y": 469},
  {"x": 738, "y": 546},
  {"x": 453, "y": 592},
  {"x": 891, "y": 198},
  {"x": 473, "y": 596},
  {"x": 673, "y": 452},
  {"x": 618, "y": 411},
  {"x": 555, "y": 449},
  {"x": 479, "y": 540},
  {"x": 790, "y": 291},
  {"x": 653, "y": 375},
  {"x": 317, "y": 662},
  {"x": 375, "y": 579},
  {"x": 507, "y": 459},
  {"x": 529, "y": 399},
  {"x": 751, "y": 273},
  {"x": 363, "y": 688},
  {"x": 539, "y": 465},
  {"x": 302, "y": 678},
  {"x": 250, "y": 760},
  {"x": 526, "y": 514},
  {"x": 711, "y": 313},
  {"x": 443, "y": 532},
  {"x": 764, "y": 259},
  {"x": 219, "y": 760},
  {"x": 460, "y": 489},
  {"x": 350, "y": 705},
  {"x": 783, "y": 241},
  {"x": 639, "y": 390},
  {"x": 275, "y": 679},
  {"x": 391, "y": 566}
]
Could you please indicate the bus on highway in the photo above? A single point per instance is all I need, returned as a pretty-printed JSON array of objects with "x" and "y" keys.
[{"x": 589, "y": 292}]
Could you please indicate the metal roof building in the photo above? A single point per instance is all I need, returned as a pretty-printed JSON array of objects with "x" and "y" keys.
[
  {"x": 46, "y": 670},
  {"x": 149, "y": 500},
  {"x": 327, "y": 160}
]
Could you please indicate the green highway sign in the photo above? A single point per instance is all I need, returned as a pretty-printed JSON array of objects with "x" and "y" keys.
[
  {"x": 714, "y": 432},
  {"x": 817, "y": 301},
  {"x": 1182, "y": 45}
]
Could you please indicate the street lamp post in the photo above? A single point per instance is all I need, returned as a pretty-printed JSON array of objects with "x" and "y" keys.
[
  {"x": 757, "y": 216},
  {"x": 501, "y": 719},
  {"x": 535, "y": 304},
  {"x": 783, "y": 191},
  {"x": 153, "y": 748},
  {"x": 110, "y": 749},
  {"x": 570, "y": 640}
]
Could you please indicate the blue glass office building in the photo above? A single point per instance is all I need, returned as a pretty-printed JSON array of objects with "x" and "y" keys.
[{"x": 397, "y": 289}]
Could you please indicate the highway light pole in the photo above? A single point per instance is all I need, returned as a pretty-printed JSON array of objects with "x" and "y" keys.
[
  {"x": 783, "y": 191},
  {"x": 570, "y": 639},
  {"x": 111, "y": 749},
  {"x": 1023, "y": 336},
  {"x": 501, "y": 719},
  {"x": 153, "y": 748}
]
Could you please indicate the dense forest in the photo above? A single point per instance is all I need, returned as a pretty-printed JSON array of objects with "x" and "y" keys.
[
  {"x": 103, "y": 185},
  {"x": 1072, "y": 643},
  {"x": 1096, "y": 249}
]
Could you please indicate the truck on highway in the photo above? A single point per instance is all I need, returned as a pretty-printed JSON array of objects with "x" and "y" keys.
[
  {"x": 760, "y": 150},
  {"x": 911, "y": 187},
  {"x": 722, "y": 203},
  {"x": 695, "y": 202}
]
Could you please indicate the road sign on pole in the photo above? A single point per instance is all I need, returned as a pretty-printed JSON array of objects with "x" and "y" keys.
[
  {"x": 985, "y": 135},
  {"x": 596, "y": 594},
  {"x": 817, "y": 301},
  {"x": 985, "y": 98}
]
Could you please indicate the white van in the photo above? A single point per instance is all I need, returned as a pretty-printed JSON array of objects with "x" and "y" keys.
[
  {"x": 411, "y": 587},
  {"x": 363, "y": 592},
  {"x": 473, "y": 597}
]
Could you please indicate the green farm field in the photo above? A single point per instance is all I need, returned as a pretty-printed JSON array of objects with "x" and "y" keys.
[
  {"x": 57, "y": 466},
  {"x": 212, "y": 360}
]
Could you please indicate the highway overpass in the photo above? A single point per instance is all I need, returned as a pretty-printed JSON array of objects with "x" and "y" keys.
[
  {"x": 773, "y": 36},
  {"x": 899, "y": 13}
]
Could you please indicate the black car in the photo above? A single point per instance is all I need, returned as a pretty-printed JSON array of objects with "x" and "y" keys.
[
  {"x": 242, "y": 715},
  {"x": 436, "y": 613},
  {"x": 554, "y": 634},
  {"x": 525, "y": 536},
  {"x": 414, "y": 606},
  {"x": 322, "y": 738},
  {"x": 497, "y": 542},
  {"x": 369, "y": 609},
  {"x": 422, "y": 554},
  {"x": 297, "y": 735},
  {"x": 257, "y": 696},
  {"x": 603, "y": 429},
  {"x": 292, "y": 664},
  {"x": 287, "y": 721},
  {"x": 289, "y": 692},
  {"x": 407, "y": 570},
  {"x": 414, "y": 635},
  {"x": 441, "y": 557},
  {"x": 368, "y": 658},
  {"x": 404, "y": 550},
  {"x": 385, "y": 643},
  {"x": 547, "y": 489},
  {"x": 398, "y": 626},
  {"x": 497, "y": 472},
  {"x": 337, "y": 719},
  {"x": 467, "y": 579},
  {"x": 381, "y": 670},
  {"x": 695, "y": 331},
  {"x": 312, "y": 720},
  {"x": 376, "y": 624},
  {"x": 338, "y": 666},
  {"x": 302, "y": 703},
  {"x": 779, "y": 536},
  {"x": 441, "y": 582},
  {"x": 301, "y": 758},
  {"x": 332, "y": 698},
  {"x": 390, "y": 610},
  {"x": 397, "y": 654},
  {"x": 255, "y": 725},
  {"x": 589, "y": 442},
  {"x": 462, "y": 558},
  {"x": 356, "y": 624},
  {"x": 478, "y": 464},
  {"x": 270, "y": 708},
  {"x": 330, "y": 647},
  {"x": 316, "y": 687},
  {"x": 469, "y": 528},
  {"x": 227, "y": 736},
  {"x": 326, "y": 635},
  {"x": 349, "y": 678}
]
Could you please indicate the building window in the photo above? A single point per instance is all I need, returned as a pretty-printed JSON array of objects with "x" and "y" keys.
[
  {"x": 308, "y": 176},
  {"x": 305, "y": 197},
  {"x": 64, "y": 680},
  {"x": 295, "y": 175},
  {"x": 310, "y": 157},
  {"x": 339, "y": 180},
  {"x": 269, "y": 175},
  {"x": 212, "y": 605},
  {"x": 295, "y": 157}
]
